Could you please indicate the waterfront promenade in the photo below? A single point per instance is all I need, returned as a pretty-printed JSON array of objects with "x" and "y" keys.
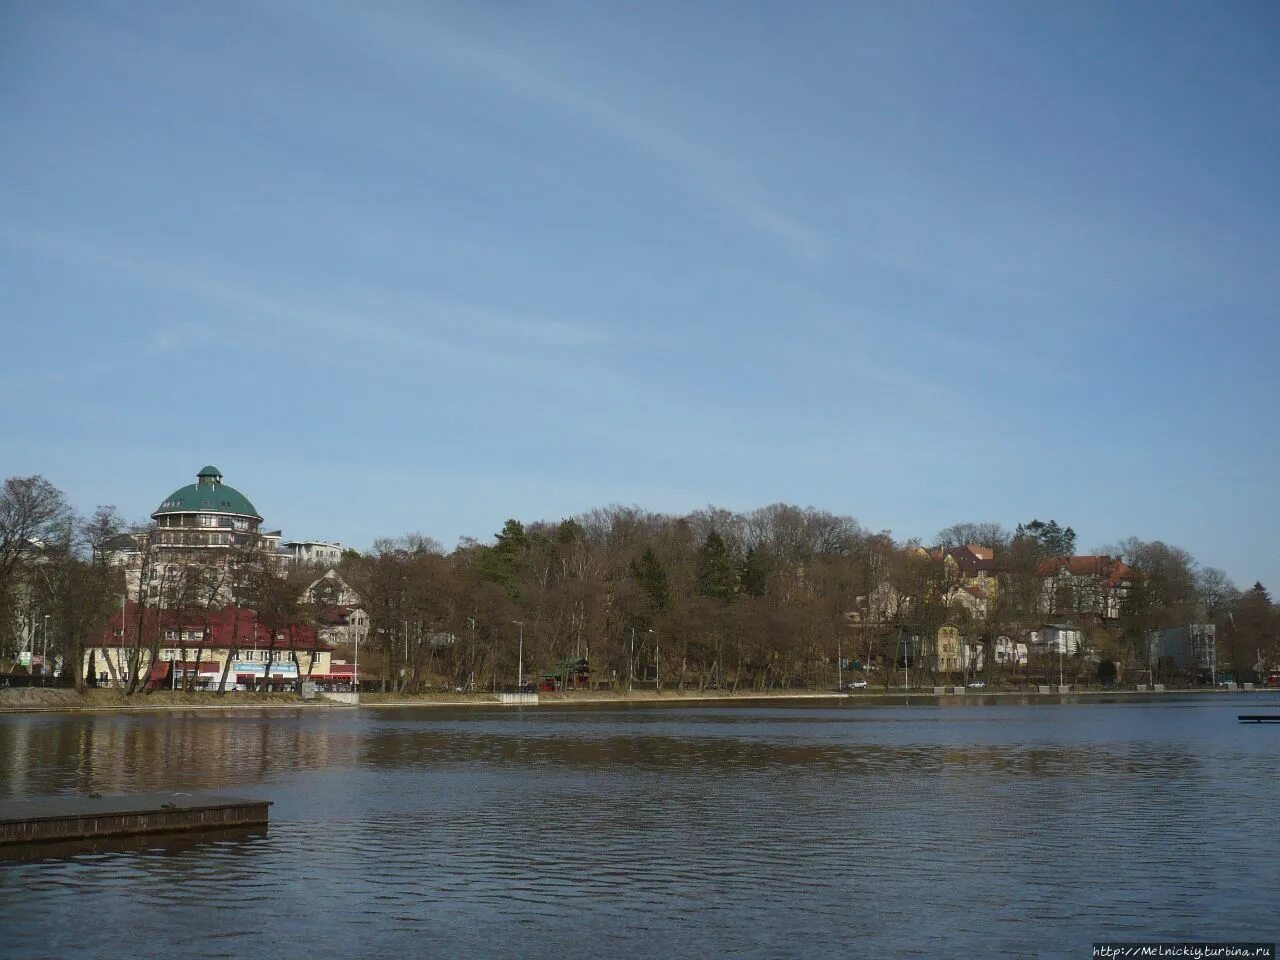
[{"x": 68, "y": 701}]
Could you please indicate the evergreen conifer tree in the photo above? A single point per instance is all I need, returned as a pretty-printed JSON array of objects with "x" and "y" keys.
[
  {"x": 715, "y": 575},
  {"x": 651, "y": 576}
]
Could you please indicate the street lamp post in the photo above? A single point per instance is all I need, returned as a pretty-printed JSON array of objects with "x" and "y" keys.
[
  {"x": 471, "y": 679},
  {"x": 631, "y": 661},
  {"x": 44, "y": 656},
  {"x": 839, "y": 665},
  {"x": 657, "y": 664},
  {"x": 906, "y": 653},
  {"x": 520, "y": 662}
]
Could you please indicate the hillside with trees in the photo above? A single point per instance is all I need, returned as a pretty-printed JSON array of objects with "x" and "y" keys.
[{"x": 771, "y": 599}]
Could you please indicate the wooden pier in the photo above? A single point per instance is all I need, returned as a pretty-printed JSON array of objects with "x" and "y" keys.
[
  {"x": 86, "y": 818},
  {"x": 1259, "y": 717}
]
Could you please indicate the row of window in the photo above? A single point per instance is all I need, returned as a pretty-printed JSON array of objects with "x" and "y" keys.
[
  {"x": 244, "y": 656},
  {"x": 191, "y": 635},
  {"x": 184, "y": 520},
  {"x": 168, "y": 539}
]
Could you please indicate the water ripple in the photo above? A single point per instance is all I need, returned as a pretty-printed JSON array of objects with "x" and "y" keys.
[{"x": 689, "y": 832}]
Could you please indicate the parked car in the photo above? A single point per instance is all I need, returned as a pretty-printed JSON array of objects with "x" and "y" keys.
[
  {"x": 856, "y": 685},
  {"x": 976, "y": 685}
]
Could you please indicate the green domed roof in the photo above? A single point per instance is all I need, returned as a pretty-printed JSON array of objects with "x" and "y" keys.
[{"x": 209, "y": 495}]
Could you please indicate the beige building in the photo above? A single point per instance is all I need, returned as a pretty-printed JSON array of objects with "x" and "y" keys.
[{"x": 195, "y": 648}]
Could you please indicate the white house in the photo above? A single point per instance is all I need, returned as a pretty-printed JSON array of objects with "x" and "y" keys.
[
  {"x": 323, "y": 552},
  {"x": 340, "y": 609},
  {"x": 1058, "y": 638},
  {"x": 1007, "y": 653}
]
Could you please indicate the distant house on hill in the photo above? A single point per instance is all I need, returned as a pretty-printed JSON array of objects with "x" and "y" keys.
[
  {"x": 1192, "y": 647},
  {"x": 1006, "y": 652},
  {"x": 1058, "y": 638},
  {"x": 339, "y": 609},
  {"x": 1085, "y": 586}
]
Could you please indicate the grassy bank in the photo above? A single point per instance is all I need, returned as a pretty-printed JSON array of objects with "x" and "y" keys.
[
  {"x": 869, "y": 695},
  {"x": 590, "y": 696},
  {"x": 38, "y": 699}
]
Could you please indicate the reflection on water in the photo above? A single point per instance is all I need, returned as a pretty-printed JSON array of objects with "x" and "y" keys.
[{"x": 640, "y": 831}]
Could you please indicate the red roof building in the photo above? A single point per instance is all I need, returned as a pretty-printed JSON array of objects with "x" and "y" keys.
[{"x": 230, "y": 627}]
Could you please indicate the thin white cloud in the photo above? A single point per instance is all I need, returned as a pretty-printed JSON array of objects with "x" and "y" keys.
[
  {"x": 414, "y": 45},
  {"x": 402, "y": 320}
]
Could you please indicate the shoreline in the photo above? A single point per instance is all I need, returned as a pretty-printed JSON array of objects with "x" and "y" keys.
[
  {"x": 81, "y": 703},
  {"x": 893, "y": 696}
]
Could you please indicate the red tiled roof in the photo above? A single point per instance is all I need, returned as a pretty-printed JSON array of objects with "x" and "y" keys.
[
  {"x": 1114, "y": 570},
  {"x": 219, "y": 627},
  {"x": 972, "y": 557},
  {"x": 335, "y": 616}
]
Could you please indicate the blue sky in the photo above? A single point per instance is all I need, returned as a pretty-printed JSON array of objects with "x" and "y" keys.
[{"x": 416, "y": 267}]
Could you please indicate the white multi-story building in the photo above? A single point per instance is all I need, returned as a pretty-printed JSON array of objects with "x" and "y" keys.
[{"x": 319, "y": 552}]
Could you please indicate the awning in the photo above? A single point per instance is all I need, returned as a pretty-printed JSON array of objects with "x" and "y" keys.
[{"x": 202, "y": 666}]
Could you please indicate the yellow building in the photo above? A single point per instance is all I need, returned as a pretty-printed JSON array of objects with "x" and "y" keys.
[
  {"x": 195, "y": 647},
  {"x": 947, "y": 657}
]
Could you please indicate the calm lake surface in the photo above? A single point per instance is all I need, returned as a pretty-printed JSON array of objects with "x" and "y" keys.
[{"x": 832, "y": 829}]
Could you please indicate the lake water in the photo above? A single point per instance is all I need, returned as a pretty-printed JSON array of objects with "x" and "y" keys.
[{"x": 788, "y": 830}]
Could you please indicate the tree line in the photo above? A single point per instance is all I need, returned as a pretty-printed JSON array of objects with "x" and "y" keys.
[{"x": 772, "y": 598}]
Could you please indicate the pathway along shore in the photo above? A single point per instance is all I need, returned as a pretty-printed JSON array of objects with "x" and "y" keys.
[{"x": 38, "y": 700}]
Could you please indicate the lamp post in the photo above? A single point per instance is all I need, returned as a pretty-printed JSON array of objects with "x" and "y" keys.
[
  {"x": 839, "y": 666},
  {"x": 631, "y": 661},
  {"x": 520, "y": 662},
  {"x": 44, "y": 656},
  {"x": 657, "y": 664},
  {"x": 471, "y": 679}
]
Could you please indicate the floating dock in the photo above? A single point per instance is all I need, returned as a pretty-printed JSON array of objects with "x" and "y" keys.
[
  {"x": 86, "y": 818},
  {"x": 1259, "y": 717}
]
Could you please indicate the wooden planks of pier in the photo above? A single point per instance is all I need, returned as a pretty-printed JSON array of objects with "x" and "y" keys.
[{"x": 85, "y": 818}]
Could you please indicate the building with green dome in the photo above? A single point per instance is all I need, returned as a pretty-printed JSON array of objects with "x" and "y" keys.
[
  {"x": 207, "y": 514},
  {"x": 204, "y": 523}
]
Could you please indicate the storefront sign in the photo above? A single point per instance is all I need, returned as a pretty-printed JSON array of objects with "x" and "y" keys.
[{"x": 287, "y": 669}]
